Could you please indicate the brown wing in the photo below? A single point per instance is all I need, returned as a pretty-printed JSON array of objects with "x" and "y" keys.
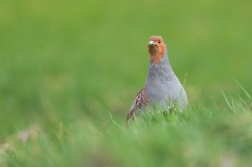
[{"x": 140, "y": 102}]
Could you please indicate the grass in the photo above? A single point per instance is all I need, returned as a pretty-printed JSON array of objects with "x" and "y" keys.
[
  {"x": 70, "y": 70},
  {"x": 195, "y": 137}
]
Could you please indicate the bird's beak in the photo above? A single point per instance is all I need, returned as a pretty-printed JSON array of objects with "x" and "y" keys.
[{"x": 151, "y": 43}]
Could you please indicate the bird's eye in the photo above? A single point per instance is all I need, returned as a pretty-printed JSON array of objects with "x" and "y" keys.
[{"x": 159, "y": 41}]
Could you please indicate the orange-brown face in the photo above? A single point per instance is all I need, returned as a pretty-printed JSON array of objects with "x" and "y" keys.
[{"x": 156, "y": 49}]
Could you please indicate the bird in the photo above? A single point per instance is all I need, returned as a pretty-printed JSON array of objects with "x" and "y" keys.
[{"x": 162, "y": 85}]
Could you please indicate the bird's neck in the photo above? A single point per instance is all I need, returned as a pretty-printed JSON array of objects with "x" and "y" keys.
[
  {"x": 160, "y": 71},
  {"x": 155, "y": 57}
]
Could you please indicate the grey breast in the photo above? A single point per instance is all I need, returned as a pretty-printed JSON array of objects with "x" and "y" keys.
[{"x": 162, "y": 84}]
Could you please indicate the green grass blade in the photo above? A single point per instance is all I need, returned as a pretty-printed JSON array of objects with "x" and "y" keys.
[
  {"x": 226, "y": 99},
  {"x": 248, "y": 95}
]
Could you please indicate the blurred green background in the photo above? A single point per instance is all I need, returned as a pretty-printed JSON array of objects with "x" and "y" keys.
[{"x": 69, "y": 60}]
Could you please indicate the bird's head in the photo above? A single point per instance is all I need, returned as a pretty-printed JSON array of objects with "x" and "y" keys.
[{"x": 156, "y": 49}]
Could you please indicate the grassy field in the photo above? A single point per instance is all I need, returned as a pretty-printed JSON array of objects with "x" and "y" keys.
[{"x": 67, "y": 67}]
